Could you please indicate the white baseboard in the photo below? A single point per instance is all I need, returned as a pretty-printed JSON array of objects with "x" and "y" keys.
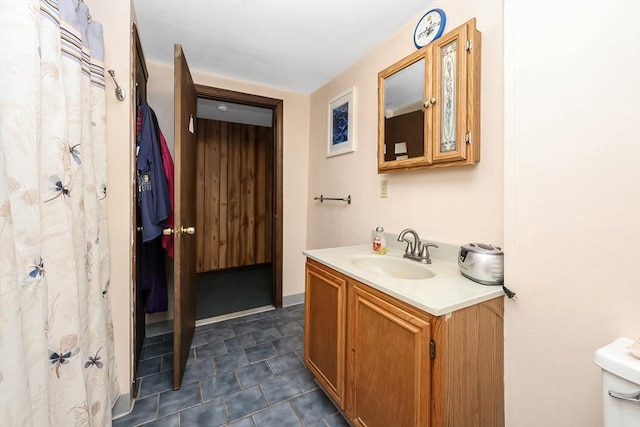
[
  {"x": 123, "y": 406},
  {"x": 293, "y": 299},
  {"x": 223, "y": 317}
]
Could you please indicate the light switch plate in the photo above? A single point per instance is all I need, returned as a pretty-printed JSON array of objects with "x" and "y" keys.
[{"x": 384, "y": 189}]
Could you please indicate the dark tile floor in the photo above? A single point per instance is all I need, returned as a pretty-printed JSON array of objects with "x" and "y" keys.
[{"x": 243, "y": 372}]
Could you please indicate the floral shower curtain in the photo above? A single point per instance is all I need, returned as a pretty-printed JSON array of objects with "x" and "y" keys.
[{"x": 56, "y": 334}]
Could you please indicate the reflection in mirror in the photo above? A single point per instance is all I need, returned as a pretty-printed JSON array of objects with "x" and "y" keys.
[{"x": 404, "y": 93}]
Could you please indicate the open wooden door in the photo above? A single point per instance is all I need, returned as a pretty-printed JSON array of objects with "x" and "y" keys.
[{"x": 184, "y": 303}]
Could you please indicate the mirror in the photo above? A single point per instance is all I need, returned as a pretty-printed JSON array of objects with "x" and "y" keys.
[
  {"x": 403, "y": 115},
  {"x": 429, "y": 105},
  {"x": 401, "y": 121}
]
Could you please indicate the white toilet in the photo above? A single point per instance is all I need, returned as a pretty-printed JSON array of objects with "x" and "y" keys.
[{"x": 620, "y": 384}]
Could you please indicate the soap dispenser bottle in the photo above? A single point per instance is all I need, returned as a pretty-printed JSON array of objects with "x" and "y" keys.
[{"x": 378, "y": 242}]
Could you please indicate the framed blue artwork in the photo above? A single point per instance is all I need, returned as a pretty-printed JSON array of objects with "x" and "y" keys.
[{"x": 342, "y": 124}]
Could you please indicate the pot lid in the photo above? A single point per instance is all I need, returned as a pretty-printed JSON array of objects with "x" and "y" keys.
[{"x": 482, "y": 248}]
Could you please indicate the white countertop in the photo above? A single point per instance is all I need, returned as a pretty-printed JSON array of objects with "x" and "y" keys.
[{"x": 444, "y": 293}]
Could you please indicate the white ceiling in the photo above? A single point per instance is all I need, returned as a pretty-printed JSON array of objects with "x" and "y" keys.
[
  {"x": 295, "y": 45},
  {"x": 236, "y": 113}
]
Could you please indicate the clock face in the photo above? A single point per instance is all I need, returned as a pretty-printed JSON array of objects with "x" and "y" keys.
[{"x": 429, "y": 28}]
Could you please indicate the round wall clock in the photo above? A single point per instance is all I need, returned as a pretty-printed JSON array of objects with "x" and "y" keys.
[{"x": 429, "y": 28}]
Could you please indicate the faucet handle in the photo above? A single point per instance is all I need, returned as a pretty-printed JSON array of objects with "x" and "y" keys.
[
  {"x": 424, "y": 251},
  {"x": 409, "y": 248}
]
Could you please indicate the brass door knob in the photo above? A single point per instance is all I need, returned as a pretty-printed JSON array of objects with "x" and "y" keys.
[
  {"x": 188, "y": 230},
  {"x": 179, "y": 231}
]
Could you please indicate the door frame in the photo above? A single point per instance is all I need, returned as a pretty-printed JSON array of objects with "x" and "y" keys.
[
  {"x": 141, "y": 75},
  {"x": 276, "y": 105}
]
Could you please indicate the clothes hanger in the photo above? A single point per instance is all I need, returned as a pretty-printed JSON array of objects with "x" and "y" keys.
[{"x": 88, "y": 14}]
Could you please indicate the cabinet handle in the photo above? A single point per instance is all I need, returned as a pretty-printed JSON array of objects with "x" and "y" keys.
[
  {"x": 629, "y": 397},
  {"x": 428, "y": 102}
]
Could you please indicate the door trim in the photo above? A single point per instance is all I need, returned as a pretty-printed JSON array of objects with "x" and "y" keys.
[
  {"x": 141, "y": 75},
  {"x": 276, "y": 105}
]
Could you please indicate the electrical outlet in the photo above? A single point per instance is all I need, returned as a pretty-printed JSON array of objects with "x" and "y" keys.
[{"x": 384, "y": 190}]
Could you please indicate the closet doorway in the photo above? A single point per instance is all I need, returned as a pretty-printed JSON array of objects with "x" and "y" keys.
[{"x": 238, "y": 202}]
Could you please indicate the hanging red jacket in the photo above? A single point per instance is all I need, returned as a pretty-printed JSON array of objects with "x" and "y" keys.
[{"x": 167, "y": 163}]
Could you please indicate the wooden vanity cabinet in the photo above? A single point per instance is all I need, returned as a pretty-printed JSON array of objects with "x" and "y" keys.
[
  {"x": 325, "y": 330},
  {"x": 401, "y": 366},
  {"x": 389, "y": 362}
]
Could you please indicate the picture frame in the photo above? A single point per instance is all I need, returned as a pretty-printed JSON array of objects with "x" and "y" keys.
[{"x": 341, "y": 137}]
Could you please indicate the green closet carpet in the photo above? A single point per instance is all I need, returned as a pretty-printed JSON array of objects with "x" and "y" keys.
[{"x": 233, "y": 290}]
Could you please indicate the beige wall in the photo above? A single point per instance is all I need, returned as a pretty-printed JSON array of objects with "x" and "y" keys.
[
  {"x": 572, "y": 204},
  {"x": 454, "y": 205},
  {"x": 116, "y": 18}
]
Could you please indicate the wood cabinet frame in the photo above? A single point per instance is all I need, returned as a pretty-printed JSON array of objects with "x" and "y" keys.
[
  {"x": 456, "y": 359},
  {"x": 467, "y": 122},
  {"x": 325, "y": 319},
  {"x": 389, "y": 384}
]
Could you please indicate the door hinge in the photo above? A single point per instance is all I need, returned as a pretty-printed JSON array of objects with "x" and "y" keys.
[
  {"x": 467, "y": 137},
  {"x": 432, "y": 349},
  {"x": 469, "y": 45}
]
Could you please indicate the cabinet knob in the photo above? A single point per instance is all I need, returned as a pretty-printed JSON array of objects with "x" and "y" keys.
[
  {"x": 425, "y": 105},
  {"x": 432, "y": 100}
]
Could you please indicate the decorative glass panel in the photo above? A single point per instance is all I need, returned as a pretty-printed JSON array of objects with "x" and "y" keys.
[{"x": 449, "y": 88}]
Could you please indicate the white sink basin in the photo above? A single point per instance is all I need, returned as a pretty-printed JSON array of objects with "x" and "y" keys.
[{"x": 398, "y": 268}]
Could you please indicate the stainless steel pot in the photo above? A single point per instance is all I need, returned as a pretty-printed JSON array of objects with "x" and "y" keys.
[{"x": 481, "y": 263}]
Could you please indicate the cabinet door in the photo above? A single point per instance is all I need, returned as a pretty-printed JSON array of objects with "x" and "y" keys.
[
  {"x": 449, "y": 96},
  {"x": 325, "y": 330},
  {"x": 391, "y": 363}
]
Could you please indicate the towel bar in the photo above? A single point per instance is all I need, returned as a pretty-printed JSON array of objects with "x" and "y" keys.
[{"x": 342, "y": 199}]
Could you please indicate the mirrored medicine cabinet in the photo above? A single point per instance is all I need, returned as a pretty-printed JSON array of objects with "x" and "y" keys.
[{"x": 429, "y": 105}]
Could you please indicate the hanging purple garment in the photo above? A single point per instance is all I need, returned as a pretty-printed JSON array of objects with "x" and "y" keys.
[
  {"x": 154, "y": 207},
  {"x": 153, "y": 192},
  {"x": 153, "y": 277}
]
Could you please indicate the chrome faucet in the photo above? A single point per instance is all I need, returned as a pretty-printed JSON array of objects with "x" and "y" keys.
[{"x": 416, "y": 250}]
